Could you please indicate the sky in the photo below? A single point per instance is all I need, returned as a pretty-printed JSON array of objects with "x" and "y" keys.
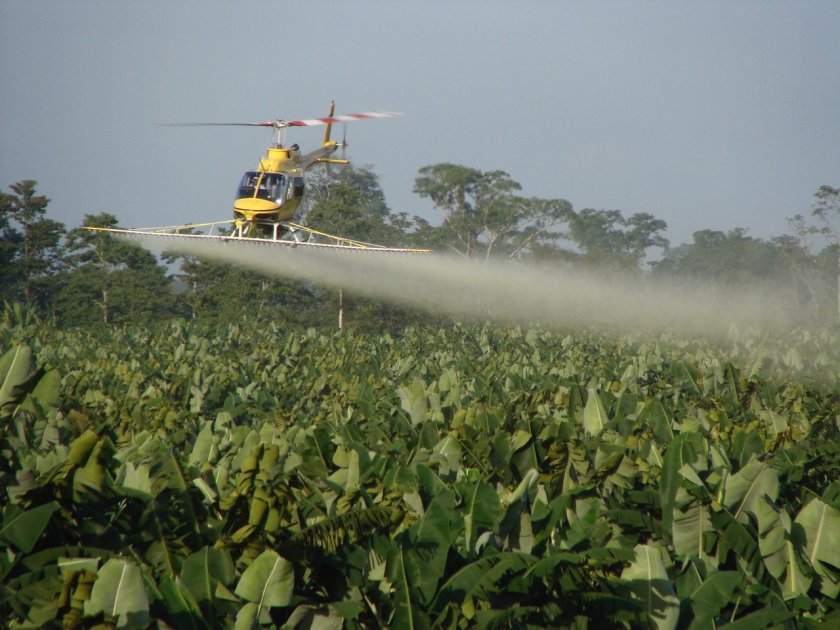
[{"x": 707, "y": 115}]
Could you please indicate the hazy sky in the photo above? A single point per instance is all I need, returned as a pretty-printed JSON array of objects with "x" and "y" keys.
[{"x": 705, "y": 114}]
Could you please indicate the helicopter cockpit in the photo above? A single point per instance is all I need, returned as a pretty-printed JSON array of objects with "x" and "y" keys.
[{"x": 269, "y": 186}]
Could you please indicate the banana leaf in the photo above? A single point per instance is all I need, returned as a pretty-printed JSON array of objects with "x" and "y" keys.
[
  {"x": 407, "y": 613},
  {"x": 267, "y": 582},
  {"x": 820, "y": 524},
  {"x": 23, "y": 528},
  {"x": 15, "y": 369},
  {"x": 747, "y": 489},
  {"x": 426, "y": 547},
  {"x": 482, "y": 511},
  {"x": 201, "y": 574},
  {"x": 648, "y": 580},
  {"x": 690, "y": 529},
  {"x": 595, "y": 416},
  {"x": 119, "y": 592},
  {"x": 479, "y": 580}
]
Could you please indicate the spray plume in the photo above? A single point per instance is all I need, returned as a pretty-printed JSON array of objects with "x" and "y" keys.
[{"x": 509, "y": 291}]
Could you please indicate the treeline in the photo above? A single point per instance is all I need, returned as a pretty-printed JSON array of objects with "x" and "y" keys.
[{"x": 86, "y": 278}]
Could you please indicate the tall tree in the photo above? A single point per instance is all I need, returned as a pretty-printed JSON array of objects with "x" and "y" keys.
[
  {"x": 482, "y": 213},
  {"x": 811, "y": 278},
  {"x": 30, "y": 252},
  {"x": 350, "y": 203},
  {"x": 111, "y": 281},
  {"x": 827, "y": 210},
  {"x": 452, "y": 189},
  {"x": 606, "y": 238}
]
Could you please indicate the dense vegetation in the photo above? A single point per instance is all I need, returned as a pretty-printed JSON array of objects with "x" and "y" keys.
[
  {"x": 191, "y": 445},
  {"x": 453, "y": 477},
  {"x": 85, "y": 278}
]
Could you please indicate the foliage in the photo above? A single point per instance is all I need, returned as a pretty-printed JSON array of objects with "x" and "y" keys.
[
  {"x": 482, "y": 213},
  {"x": 731, "y": 258},
  {"x": 452, "y": 477},
  {"x": 30, "y": 245},
  {"x": 827, "y": 210},
  {"x": 91, "y": 278},
  {"x": 483, "y": 216},
  {"x": 110, "y": 281},
  {"x": 607, "y": 238},
  {"x": 220, "y": 294},
  {"x": 351, "y": 203}
]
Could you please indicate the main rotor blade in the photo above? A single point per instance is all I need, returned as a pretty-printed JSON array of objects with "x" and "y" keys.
[
  {"x": 280, "y": 124},
  {"x": 335, "y": 119},
  {"x": 219, "y": 124}
]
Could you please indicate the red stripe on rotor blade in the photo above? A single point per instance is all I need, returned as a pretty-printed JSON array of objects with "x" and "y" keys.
[{"x": 342, "y": 118}]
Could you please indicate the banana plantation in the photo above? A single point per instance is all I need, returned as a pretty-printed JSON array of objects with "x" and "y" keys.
[{"x": 451, "y": 477}]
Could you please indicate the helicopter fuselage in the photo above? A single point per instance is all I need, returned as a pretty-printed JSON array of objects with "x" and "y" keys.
[{"x": 273, "y": 191}]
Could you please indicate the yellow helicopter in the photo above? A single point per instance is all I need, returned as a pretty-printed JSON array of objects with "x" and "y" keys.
[{"x": 269, "y": 196}]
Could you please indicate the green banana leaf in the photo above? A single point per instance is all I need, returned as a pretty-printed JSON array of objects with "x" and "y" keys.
[
  {"x": 482, "y": 511},
  {"x": 821, "y": 525},
  {"x": 747, "y": 489},
  {"x": 407, "y": 614},
  {"x": 595, "y": 416},
  {"x": 23, "y": 528},
  {"x": 119, "y": 591},
  {"x": 690, "y": 529},
  {"x": 266, "y": 583},
  {"x": 15, "y": 368},
  {"x": 648, "y": 580},
  {"x": 708, "y": 592},
  {"x": 202, "y": 572}
]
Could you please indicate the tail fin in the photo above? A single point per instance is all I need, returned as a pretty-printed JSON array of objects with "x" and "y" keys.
[{"x": 329, "y": 125}]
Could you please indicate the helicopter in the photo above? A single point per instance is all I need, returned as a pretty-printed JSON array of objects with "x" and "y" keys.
[
  {"x": 269, "y": 196},
  {"x": 272, "y": 193}
]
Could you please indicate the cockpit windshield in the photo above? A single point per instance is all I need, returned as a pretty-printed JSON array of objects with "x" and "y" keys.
[{"x": 269, "y": 186}]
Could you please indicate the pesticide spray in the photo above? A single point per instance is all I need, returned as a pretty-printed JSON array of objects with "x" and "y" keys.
[{"x": 506, "y": 292}]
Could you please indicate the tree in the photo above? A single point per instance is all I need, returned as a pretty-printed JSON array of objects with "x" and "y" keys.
[
  {"x": 811, "y": 278},
  {"x": 214, "y": 293},
  {"x": 606, "y": 238},
  {"x": 727, "y": 258},
  {"x": 827, "y": 210},
  {"x": 350, "y": 203},
  {"x": 451, "y": 188},
  {"x": 30, "y": 251},
  {"x": 482, "y": 213},
  {"x": 644, "y": 233},
  {"x": 109, "y": 280}
]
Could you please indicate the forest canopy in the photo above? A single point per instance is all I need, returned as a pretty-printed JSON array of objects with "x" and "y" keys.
[{"x": 87, "y": 278}]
